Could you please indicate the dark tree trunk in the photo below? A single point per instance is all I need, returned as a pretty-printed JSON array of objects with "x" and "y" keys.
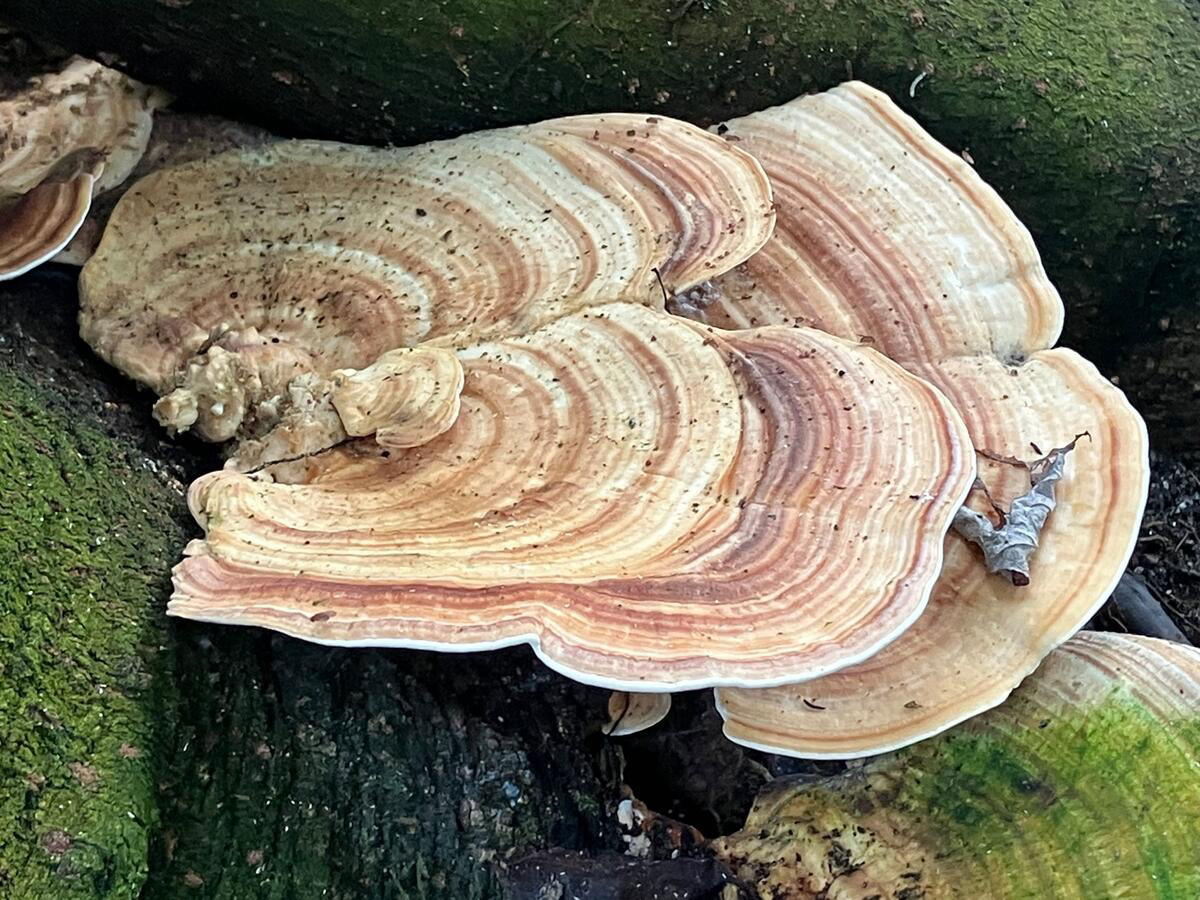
[
  {"x": 303, "y": 771},
  {"x": 229, "y": 762},
  {"x": 1082, "y": 113}
]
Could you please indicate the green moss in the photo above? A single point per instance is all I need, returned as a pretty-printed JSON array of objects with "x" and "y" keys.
[
  {"x": 84, "y": 532},
  {"x": 1064, "y": 791},
  {"x": 1093, "y": 797}
]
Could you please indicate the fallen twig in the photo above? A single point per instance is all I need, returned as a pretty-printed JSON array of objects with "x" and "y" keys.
[{"x": 1134, "y": 606}]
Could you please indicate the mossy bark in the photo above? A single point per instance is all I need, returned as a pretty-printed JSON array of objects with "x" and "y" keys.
[
  {"x": 302, "y": 771},
  {"x": 86, "y": 525},
  {"x": 1081, "y": 112},
  {"x": 146, "y": 757},
  {"x": 1083, "y": 785}
]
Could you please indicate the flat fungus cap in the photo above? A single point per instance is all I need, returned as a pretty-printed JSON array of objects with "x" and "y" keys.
[
  {"x": 651, "y": 503},
  {"x": 64, "y": 137},
  {"x": 1084, "y": 784},
  {"x": 40, "y": 222},
  {"x": 305, "y": 256},
  {"x": 629, "y": 712},
  {"x": 886, "y": 236}
]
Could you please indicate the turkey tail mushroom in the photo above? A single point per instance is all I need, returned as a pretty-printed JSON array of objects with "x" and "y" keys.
[
  {"x": 39, "y": 223},
  {"x": 885, "y": 235},
  {"x": 64, "y": 137},
  {"x": 1084, "y": 784},
  {"x": 305, "y": 256},
  {"x": 652, "y": 504}
]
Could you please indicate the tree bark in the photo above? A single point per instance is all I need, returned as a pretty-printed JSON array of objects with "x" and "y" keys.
[
  {"x": 1133, "y": 609},
  {"x": 176, "y": 760},
  {"x": 1080, "y": 112},
  {"x": 88, "y": 523},
  {"x": 303, "y": 771}
]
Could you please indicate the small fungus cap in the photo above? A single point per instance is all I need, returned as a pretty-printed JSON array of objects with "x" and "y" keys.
[
  {"x": 630, "y": 713},
  {"x": 175, "y": 138},
  {"x": 64, "y": 137}
]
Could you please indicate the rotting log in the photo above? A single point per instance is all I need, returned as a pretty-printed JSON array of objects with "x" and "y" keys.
[
  {"x": 1081, "y": 113},
  {"x": 1134, "y": 608},
  {"x": 87, "y": 524},
  {"x": 144, "y": 755}
]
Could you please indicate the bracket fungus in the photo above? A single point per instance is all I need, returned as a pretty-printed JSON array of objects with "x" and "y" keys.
[
  {"x": 653, "y": 504},
  {"x": 37, "y": 224},
  {"x": 302, "y": 256},
  {"x": 405, "y": 398},
  {"x": 64, "y": 137},
  {"x": 629, "y": 712},
  {"x": 175, "y": 138},
  {"x": 885, "y": 235},
  {"x": 1084, "y": 784}
]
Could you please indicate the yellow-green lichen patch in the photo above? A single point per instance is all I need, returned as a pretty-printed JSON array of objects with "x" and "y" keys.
[
  {"x": 1085, "y": 784},
  {"x": 84, "y": 536}
]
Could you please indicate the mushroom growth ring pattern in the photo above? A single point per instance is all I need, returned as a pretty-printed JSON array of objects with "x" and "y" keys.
[{"x": 653, "y": 504}]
